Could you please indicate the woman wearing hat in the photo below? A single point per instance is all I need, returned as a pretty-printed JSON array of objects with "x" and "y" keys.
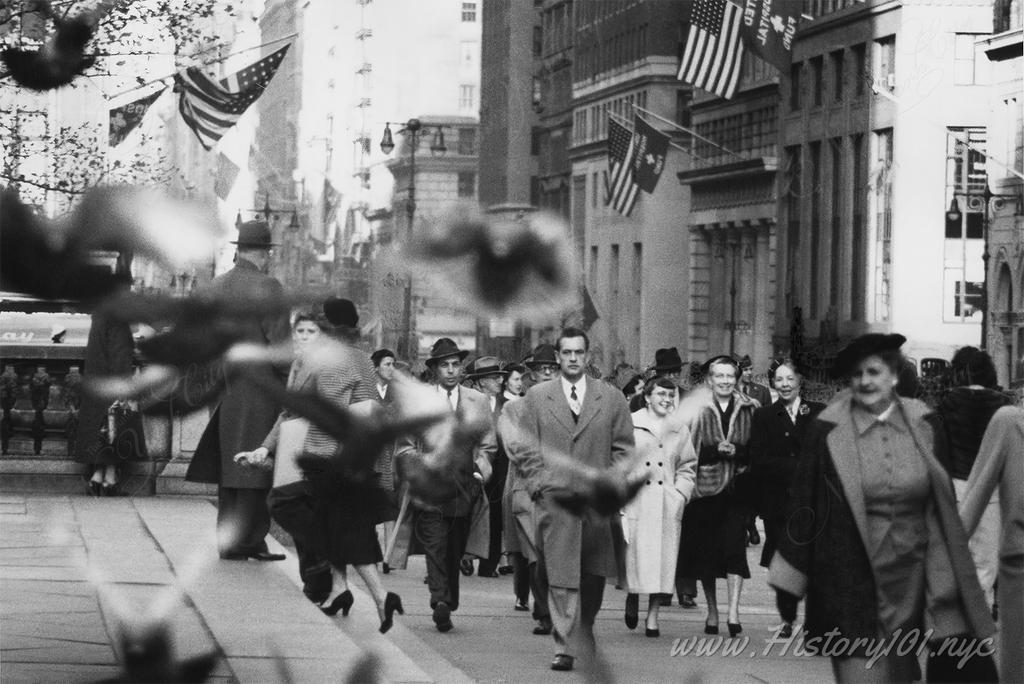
[
  {"x": 334, "y": 515},
  {"x": 873, "y": 537}
]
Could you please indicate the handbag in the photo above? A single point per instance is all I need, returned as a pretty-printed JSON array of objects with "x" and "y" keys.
[
  {"x": 290, "y": 440},
  {"x": 125, "y": 433},
  {"x": 713, "y": 478}
]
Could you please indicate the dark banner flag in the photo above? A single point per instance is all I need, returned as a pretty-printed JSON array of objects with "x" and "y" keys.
[
  {"x": 125, "y": 118},
  {"x": 768, "y": 29},
  {"x": 590, "y": 314},
  {"x": 651, "y": 147}
]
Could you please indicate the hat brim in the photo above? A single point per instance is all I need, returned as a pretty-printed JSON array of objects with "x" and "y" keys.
[
  {"x": 672, "y": 367},
  {"x": 487, "y": 371},
  {"x": 462, "y": 354},
  {"x": 861, "y": 348}
]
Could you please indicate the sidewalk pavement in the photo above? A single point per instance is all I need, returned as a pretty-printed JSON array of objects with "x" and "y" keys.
[{"x": 56, "y": 626}]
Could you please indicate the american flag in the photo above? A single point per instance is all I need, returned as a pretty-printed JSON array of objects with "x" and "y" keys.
[
  {"x": 713, "y": 52},
  {"x": 211, "y": 107},
  {"x": 622, "y": 187}
]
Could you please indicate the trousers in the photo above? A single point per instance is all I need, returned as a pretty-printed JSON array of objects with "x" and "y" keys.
[
  {"x": 573, "y": 612},
  {"x": 444, "y": 543}
]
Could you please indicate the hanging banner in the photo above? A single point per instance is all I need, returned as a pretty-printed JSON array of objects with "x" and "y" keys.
[{"x": 768, "y": 29}]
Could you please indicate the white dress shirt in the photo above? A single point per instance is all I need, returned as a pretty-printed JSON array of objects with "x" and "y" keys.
[
  {"x": 453, "y": 398},
  {"x": 581, "y": 391}
]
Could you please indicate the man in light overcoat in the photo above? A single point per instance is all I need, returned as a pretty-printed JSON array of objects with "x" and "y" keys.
[{"x": 589, "y": 422}]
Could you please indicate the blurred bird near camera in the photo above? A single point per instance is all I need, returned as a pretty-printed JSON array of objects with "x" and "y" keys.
[
  {"x": 492, "y": 264},
  {"x": 62, "y": 55},
  {"x": 51, "y": 259}
]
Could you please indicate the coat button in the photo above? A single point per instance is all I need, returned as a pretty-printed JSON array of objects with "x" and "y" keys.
[
  {"x": 648, "y": 463},
  {"x": 659, "y": 481},
  {"x": 648, "y": 482},
  {"x": 660, "y": 463}
]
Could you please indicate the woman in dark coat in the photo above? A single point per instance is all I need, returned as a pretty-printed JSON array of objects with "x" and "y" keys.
[
  {"x": 873, "y": 538},
  {"x": 775, "y": 440},
  {"x": 109, "y": 351},
  {"x": 714, "y": 542}
]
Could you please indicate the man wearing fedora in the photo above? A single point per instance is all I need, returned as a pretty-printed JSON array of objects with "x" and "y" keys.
[
  {"x": 449, "y": 531},
  {"x": 487, "y": 374},
  {"x": 543, "y": 365},
  {"x": 243, "y": 417}
]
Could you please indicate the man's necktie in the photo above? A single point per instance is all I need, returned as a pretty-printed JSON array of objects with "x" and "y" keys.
[
  {"x": 450, "y": 401},
  {"x": 574, "y": 402}
]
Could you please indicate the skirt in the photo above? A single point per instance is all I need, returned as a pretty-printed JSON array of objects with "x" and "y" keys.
[
  {"x": 351, "y": 511},
  {"x": 713, "y": 542}
]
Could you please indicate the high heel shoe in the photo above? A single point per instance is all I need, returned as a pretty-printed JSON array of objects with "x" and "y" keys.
[
  {"x": 342, "y": 602},
  {"x": 652, "y": 632},
  {"x": 392, "y": 605},
  {"x": 95, "y": 488},
  {"x": 710, "y": 629},
  {"x": 632, "y": 615},
  {"x": 734, "y": 628}
]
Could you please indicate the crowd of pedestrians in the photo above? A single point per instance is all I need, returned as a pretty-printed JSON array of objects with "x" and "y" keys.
[{"x": 886, "y": 516}]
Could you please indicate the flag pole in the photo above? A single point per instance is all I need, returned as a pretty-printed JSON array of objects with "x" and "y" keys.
[
  {"x": 627, "y": 122},
  {"x": 690, "y": 132},
  {"x": 219, "y": 59}
]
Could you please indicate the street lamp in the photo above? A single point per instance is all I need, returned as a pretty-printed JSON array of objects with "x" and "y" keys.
[
  {"x": 954, "y": 216},
  {"x": 413, "y": 129}
]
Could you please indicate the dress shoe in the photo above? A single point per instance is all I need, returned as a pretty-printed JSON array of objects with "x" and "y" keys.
[
  {"x": 492, "y": 573},
  {"x": 522, "y": 605},
  {"x": 632, "y": 616},
  {"x": 506, "y": 570},
  {"x": 786, "y": 631},
  {"x": 652, "y": 632},
  {"x": 392, "y": 605},
  {"x": 687, "y": 601},
  {"x": 267, "y": 556},
  {"x": 466, "y": 567},
  {"x": 234, "y": 555},
  {"x": 544, "y": 627},
  {"x": 443, "y": 617},
  {"x": 342, "y": 602},
  {"x": 562, "y": 663},
  {"x": 386, "y": 569},
  {"x": 734, "y": 628}
]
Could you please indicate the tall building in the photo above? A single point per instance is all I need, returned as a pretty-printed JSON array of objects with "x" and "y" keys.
[
  {"x": 884, "y": 105},
  {"x": 626, "y": 56},
  {"x": 1005, "y": 51}
]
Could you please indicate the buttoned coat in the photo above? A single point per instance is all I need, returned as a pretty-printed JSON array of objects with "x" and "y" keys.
[
  {"x": 603, "y": 436},
  {"x": 775, "y": 442},
  {"x": 824, "y": 556},
  {"x": 244, "y": 415},
  {"x": 665, "y": 454},
  {"x": 474, "y": 406},
  {"x": 520, "y": 518}
]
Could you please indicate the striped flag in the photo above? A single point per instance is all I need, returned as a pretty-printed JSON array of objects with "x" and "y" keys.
[
  {"x": 713, "y": 52},
  {"x": 622, "y": 188},
  {"x": 211, "y": 107}
]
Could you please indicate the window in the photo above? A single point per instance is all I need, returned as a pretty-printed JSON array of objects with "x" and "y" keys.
[
  {"x": 592, "y": 271},
  {"x": 794, "y": 192},
  {"x": 860, "y": 69},
  {"x": 835, "y": 243},
  {"x": 467, "y": 54},
  {"x": 885, "y": 76},
  {"x": 467, "y": 184},
  {"x": 469, "y": 11},
  {"x": 813, "y": 285},
  {"x": 613, "y": 285},
  {"x": 637, "y": 270},
  {"x": 467, "y": 141},
  {"x": 794, "y": 87},
  {"x": 817, "y": 66},
  {"x": 596, "y": 190},
  {"x": 858, "y": 246},
  {"x": 837, "y": 75},
  {"x": 965, "y": 70},
  {"x": 466, "y": 98},
  {"x": 883, "y": 222},
  {"x": 683, "y": 98},
  {"x": 538, "y": 37}
]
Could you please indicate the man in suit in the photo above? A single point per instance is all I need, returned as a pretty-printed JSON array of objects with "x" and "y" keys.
[
  {"x": 243, "y": 417},
  {"x": 488, "y": 373},
  {"x": 543, "y": 365},
  {"x": 590, "y": 423},
  {"x": 444, "y": 531}
]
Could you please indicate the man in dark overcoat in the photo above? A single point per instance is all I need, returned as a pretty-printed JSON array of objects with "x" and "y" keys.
[
  {"x": 589, "y": 422},
  {"x": 244, "y": 416}
]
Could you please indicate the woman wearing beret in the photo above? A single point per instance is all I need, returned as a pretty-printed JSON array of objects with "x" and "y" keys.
[
  {"x": 775, "y": 439},
  {"x": 714, "y": 537},
  {"x": 653, "y": 519},
  {"x": 873, "y": 539}
]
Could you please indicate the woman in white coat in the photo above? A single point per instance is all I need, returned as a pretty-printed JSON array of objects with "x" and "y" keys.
[{"x": 652, "y": 521}]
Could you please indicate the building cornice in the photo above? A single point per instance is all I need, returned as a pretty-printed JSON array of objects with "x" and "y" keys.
[
  {"x": 731, "y": 171},
  {"x": 1004, "y": 46}
]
